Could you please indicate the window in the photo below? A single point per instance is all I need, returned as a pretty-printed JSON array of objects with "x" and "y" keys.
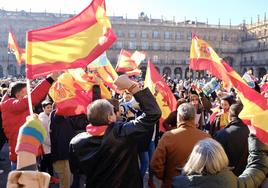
[
  {"x": 119, "y": 44},
  {"x": 251, "y": 59},
  {"x": 225, "y": 37},
  {"x": 155, "y": 58},
  {"x": 156, "y": 34},
  {"x": 132, "y": 34},
  {"x": 179, "y": 36},
  {"x": 189, "y": 36},
  {"x": 144, "y": 46},
  {"x": 155, "y": 46},
  {"x": 168, "y": 35},
  {"x": 245, "y": 59},
  {"x": 119, "y": 33},
  {"x": 132, "y": 45},
  {"x": 144, "y": 34},
  {"x": 167, "y": 46}
]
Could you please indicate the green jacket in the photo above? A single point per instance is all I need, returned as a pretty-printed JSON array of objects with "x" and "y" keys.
[{"x": 252, "y": 177}]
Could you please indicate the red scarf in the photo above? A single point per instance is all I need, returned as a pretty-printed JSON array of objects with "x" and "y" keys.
[{"x": 96, "y": 130}]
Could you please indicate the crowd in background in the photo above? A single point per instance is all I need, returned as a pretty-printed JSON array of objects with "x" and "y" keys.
[{"x": 205, "y": 142}]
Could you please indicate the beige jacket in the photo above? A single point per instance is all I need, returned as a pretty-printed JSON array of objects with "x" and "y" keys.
[{"x": 173, "y": 150}]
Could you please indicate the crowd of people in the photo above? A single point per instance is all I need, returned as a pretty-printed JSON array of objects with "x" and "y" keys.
[{"x": 118, "y": 141}]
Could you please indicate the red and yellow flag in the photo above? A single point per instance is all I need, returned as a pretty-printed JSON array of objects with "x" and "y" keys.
[
  {"x": 72, "y": 92},
  {"x": 105, "y": 71},
  {"x": 255, "y": 111},
  {"x": 101, "y": 61},
  {"x": 203, "y": 57},
  {"x": 164, "y": 96},
  {"x": 71, "y": 44},
  {"x": 14, "y": 48},
  {"x": 129, "y": 63}
]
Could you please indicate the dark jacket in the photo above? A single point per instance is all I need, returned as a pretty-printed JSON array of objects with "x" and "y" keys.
[
  {"x": 112, "y": 161},
  {"x": 62, "y": 130},
  {"x": 252, "y": 177},
  {"x": 234, "y": 139}
]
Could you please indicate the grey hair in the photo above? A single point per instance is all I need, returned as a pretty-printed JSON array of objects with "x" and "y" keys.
[
  {"x": 186, "y": 111},
  {"x": 98, "y": 112},
  {"x": 207, "y": 157}
]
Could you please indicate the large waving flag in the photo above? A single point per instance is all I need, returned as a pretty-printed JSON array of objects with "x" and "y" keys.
[
  {"x": 72, "y": 92},
  {"x": 14, "y": 48},
  {"x": 164, "y": 96},
  {"x": 255, "y": 111},
  {"x": 129, "y": 63},
  {"x": 71, "y": 44},
  {"x": 203, "y": 57}
]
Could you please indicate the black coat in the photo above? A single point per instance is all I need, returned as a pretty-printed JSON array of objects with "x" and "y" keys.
[
  {"x": 112, "y": 160},
  {"x": 234, "y": 139},
  {"x": 62, "y": 130}
]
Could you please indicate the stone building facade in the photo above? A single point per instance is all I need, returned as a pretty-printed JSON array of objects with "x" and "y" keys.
[{"x": 166, "y": 43}]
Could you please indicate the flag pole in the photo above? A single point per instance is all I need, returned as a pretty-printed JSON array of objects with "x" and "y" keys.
[
  {"x": 29, "y": 96},
  {"x": 28, "y": 84}
]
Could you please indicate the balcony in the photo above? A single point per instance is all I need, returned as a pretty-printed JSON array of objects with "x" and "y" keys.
[
  {"x": 254, "y": 49},
  {"x": 255, "y": 63}
]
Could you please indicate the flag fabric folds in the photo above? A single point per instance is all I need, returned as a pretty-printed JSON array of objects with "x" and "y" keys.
[
  {"x": 164, "y": 96},
  {"x": 71, "y": 44},
  {"x": 101, "y": 61},
  {"x": 203, "y": 57},
  {"x": 13, "y": 48},
  {"x": 129, "y": 63},
  {"x": 255, "y": 111},
  {"x": 72, "y": 92},
  {"x": 104, "y": 70}
]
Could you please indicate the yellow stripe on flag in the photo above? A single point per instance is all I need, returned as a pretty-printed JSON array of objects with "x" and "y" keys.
[{"x": 67, "y": 49}]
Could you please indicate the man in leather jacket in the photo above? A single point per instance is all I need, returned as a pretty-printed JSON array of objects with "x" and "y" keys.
[{"x": 108, "y": 152}]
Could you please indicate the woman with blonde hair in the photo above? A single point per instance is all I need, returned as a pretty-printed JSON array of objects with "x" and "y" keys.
[
  {"x": 210, "y": 158},
  {"x": 208, "y": 167}
]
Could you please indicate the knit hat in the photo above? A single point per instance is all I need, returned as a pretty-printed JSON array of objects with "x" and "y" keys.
[{"x": 31, "y": 135}]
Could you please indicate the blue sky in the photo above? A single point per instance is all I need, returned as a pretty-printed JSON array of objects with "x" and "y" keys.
[{"x": 237, "y": 10}]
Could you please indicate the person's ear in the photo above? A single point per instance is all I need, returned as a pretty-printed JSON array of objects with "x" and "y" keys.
[
  {"x": 110, "y": 119},
  {"x": 17, "y": 95}
]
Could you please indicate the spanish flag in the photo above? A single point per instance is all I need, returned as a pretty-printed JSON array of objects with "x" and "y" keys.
[
  {"x": 203, "y": 57},
  {"x": 101, "y": 61},
  {"x": 71, "y": 44},
  {"x": 86, "y": 81},
  {"x": 255, "y": 111},
  {"x": 14, "y": 48},
  {"x": 72, "y": 92},
  {"x": 164, "y": 96},
  {"x": 105, "y": 71},
  {"x": 129, "y": 63}
]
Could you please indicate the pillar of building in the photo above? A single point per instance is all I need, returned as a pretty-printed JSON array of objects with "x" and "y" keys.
[{"x": 183, "y": 69}]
